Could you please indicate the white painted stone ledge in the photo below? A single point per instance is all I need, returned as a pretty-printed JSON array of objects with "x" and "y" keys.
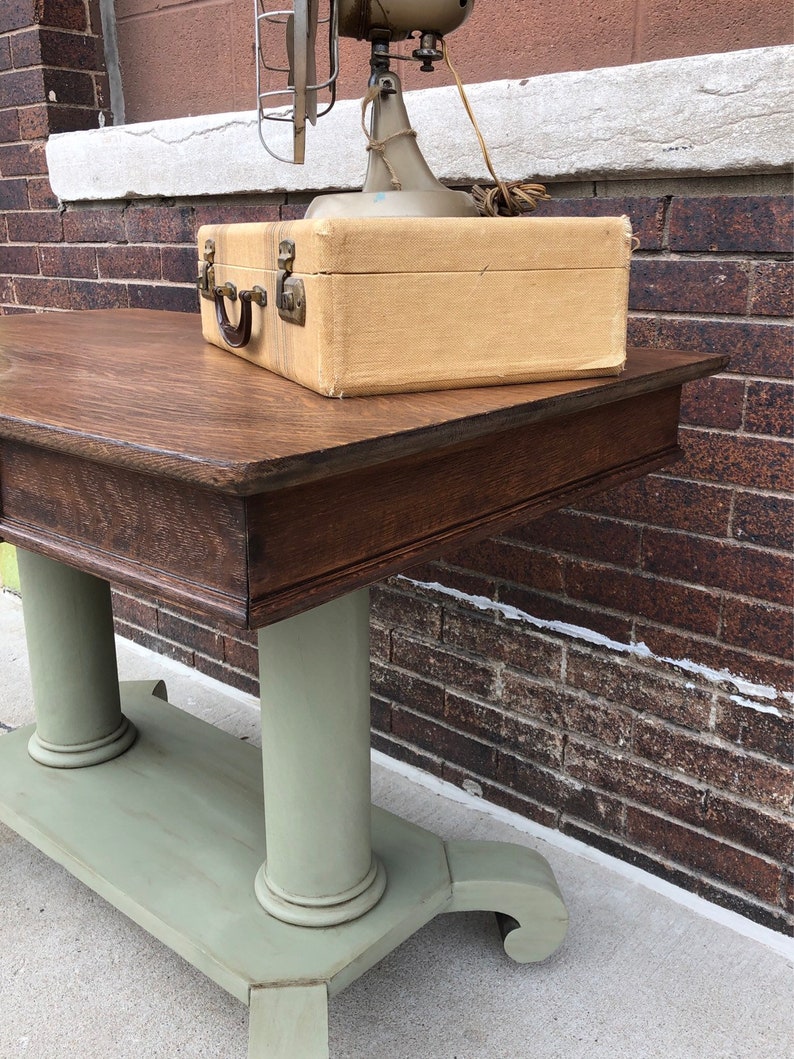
[{"x": 708, "y": 115}]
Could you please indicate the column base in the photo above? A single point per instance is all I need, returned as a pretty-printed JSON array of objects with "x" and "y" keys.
[
  {"x": 322, "y": 911},
  {"x": 80, "y": 755}
]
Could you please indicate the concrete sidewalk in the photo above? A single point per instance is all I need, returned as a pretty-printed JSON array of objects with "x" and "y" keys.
[{"x": 647, "y": 972}]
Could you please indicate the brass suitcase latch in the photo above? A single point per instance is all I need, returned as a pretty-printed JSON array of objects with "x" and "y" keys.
[{"x": 290, "y": 291}]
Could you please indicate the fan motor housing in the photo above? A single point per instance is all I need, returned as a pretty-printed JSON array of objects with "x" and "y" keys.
[{"x": 361, "y": 18}]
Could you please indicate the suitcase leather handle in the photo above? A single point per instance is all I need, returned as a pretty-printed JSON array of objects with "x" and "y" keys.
[{"x": 239, "y": 335}]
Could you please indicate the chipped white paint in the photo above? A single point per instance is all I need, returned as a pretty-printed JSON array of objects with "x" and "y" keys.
[
  {"x": 702, "y": 115},
  {"x": 580, "y": 632},
  {"x": 757, "y": 706}
]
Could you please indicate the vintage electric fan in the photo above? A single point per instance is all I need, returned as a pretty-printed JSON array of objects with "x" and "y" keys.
[{"x": 398, "y": 181}]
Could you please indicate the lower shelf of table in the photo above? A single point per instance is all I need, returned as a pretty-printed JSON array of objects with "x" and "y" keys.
[{"x": 172, "y": 834}]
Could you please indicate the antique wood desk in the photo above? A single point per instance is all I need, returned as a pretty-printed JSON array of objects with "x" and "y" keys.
[{"x": 132, "y": 452}]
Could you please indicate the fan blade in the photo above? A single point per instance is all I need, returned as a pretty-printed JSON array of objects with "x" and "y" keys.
[{"x": 297, "y": 41}]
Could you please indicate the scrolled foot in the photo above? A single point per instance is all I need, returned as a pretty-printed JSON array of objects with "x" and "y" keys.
[{"x": 516, "y": 883}]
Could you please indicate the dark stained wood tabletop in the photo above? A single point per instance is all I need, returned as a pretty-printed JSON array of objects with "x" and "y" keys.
[
  {"x": 132, "y": 449},
  {"x": 142, "y": 389}
]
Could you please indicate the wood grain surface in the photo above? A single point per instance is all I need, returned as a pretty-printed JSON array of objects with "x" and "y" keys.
[
  {"x": 133, "y": 450},
  {"x": 141, "y": 389}
]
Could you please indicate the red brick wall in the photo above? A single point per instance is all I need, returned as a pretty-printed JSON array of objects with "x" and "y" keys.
[
  {"x": 670, "y": 764},
  {"x": 502, "y": 39}
]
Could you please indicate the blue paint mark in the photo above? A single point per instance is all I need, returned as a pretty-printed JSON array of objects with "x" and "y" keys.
[{"x": 380, "y": 196}]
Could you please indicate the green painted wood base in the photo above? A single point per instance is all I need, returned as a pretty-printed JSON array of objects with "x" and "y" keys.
[{"x": 172, "y": 834}]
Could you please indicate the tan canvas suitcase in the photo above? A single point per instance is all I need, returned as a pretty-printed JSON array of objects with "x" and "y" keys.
[{"x": 363, "y": 306}]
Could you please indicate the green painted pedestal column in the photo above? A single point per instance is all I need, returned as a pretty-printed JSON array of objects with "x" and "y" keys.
[
  {"x": 314, "y": 674},
  {"x": 69, "y": 631}
]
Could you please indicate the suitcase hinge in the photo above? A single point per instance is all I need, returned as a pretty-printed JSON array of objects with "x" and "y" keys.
[
  {"x": 206, "y": 276},
  {"x": 290, "y": 291}
]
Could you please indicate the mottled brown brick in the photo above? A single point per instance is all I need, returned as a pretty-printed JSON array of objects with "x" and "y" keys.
[
  {"x": 129, "y": 262},
  {"x": 62, "y": 14},
  {"x": 9, "y": 126},
  {"x": 407, "y": 689},
  {"x": 511, "y": 643},
  {"x": 164, "y": 296},
  {"x": 41, "y": 194},
  {"x": 532, "y": 780},
  {"x": 770, "y": 834},
  {"x": 87, "y": 294},
  {"x": 642, "y": 331},
  {"x": 541, "y": 700},
  {"x": 721, "y": 564},
  {"x": 755, "y": 729},
  {"x": 410, "y": 755},
  {"x": 25, "y": 48},
  {"x": 13, "y": 194},
  {"x": 179, "y": 263},
  {"x": 379, "y": 714},
  {"x": 763, "y": 519},
  {"x": 75, "y": 51},
  {"x": 69, "y": 87},
  {"x": 226, "y": 674},
  {"x": 407, "y": 611},
  {"x": 713, "y": 402},
  {"x": 135, "y": 611},
  {"x": 200, "y": 637},
  {"x": 773, "y": 289},
  {"x": 634, "y": 594},
  {"x": 101, "y": 225},
  {"x": 765, "y": 782},
  {"x": 34, "y": 122},
  {"x": 757, "y": 626},
  {"x": 646, "y": 214},
  {"x": 510, "y": 562},
  {"x": 62, "y": 118},
  {"x": 78, "y": 262},
  {"x": 658, "y": 501},
  {"x": 755, "y": 463},
  {"x": 293, "y": 211},
  {"x": 522, "y": 736},
  {"x": 475, "y": 718},
  {"x": 635, "y": 780},
  {"x": 578, "y": 534},
  {"x": 731, "y": 223},
  {"x": 445, "y": 667},
  {"x": 155, "y": 643},
  {"x": 688, "y": 286},
  {"x": 472, "y": 584},
  {"x": 22, "y": 159},
  {"x": 640, "y": 689},
  {"x": 47, "y": 293},
  {"x": 554, "y": 609},
  {"x": 754, "y": 348},
  {"x": 594, "y": 808},
  {"x": 734, "y": 866},
  {"x": 160, "y": 224},
  {"x": 597, "y": 720},
  {"x": 5, "y": 53},
  {"x": 498, "y": 795},
  {"x": 665, "y": 642},
  {"x": 770, "y": 409},
  {"x": 379, "y": 642},
  {"x": 18, "y": 88},
  {"x": 20, "y": 260},
  {"x": 445, "y": 742},
  {"x": 17, "y": 14},
  {"x": 236, "y": 213}
]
